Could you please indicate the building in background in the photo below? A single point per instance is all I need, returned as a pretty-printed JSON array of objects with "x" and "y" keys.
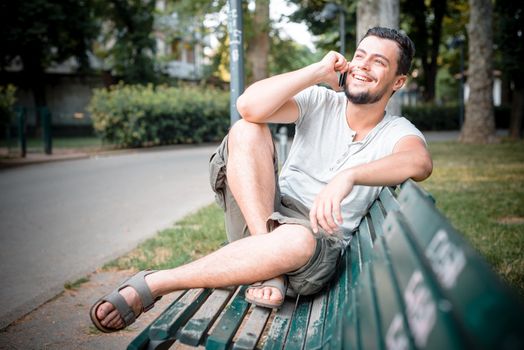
[{"x": 179, "y": 56}]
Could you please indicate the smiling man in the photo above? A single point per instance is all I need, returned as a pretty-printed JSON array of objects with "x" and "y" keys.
[{"x": 290, "y": 229}]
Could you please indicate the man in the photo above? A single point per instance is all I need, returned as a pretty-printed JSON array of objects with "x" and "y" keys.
[{"x": 345, "y": 149}]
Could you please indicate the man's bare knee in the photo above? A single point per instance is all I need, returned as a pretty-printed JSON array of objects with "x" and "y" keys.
[
  {"x": 300, "y": 240},
  {"x": 245, "y": 133}
]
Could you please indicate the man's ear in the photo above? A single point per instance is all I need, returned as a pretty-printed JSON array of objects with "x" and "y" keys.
[{"x": 399, "y": 82}]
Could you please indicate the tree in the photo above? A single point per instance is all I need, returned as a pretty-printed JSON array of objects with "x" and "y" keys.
[
  {"x": 129, "y": 26},
  {"x": 327, "y": 31},
  {"x": 257, "y": 26},
  {"x": 383, "y": 13},
  {"x": 258, "y": 41},
  {"x": 38, "y": 33},
  {"x": 479, "y": 125},
  {"x": 509, "y": 34},
  {"x": 424, "y": 21}
]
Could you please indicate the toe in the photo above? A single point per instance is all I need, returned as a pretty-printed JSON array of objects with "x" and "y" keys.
[
  {"x": 103, "y": 310},
  {"x": 275, "y": 294},
  {"x": 110, "y": 318},
  {"x": 267, "y": 294},
  {"x": 114, "y": 320}
]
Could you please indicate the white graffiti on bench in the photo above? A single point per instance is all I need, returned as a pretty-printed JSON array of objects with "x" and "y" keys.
[
  {"x": 447, "y": 260},
  {"x": 420, "y": 312}
]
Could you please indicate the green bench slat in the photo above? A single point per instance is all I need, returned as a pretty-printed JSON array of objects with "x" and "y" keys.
[
  {"x": 388, "y": 199},
  {"x": 343, "y": 300},
  {"x": 356, "y": 259},
  {"x": 368, "y": 316},
  {"x": 177, "y": 314},
  {"x": 222, "y": 335},
  {"x": 142, "y": 341},
  {"x": 332, "y": 312},
  {"x": 279, "y": 327},
  {"x": 317, "y": 318},
  {"x": 351, "y": 337},
  {"x": 377, "y": 216},
  {"x": 297, "y": 331},
  {"x": 389, "y": 300},
  {"x": 252, "y": 330},
  {"x": 365, "y": 239},
  {"x": 432, "y": 324},
  {"x": 478, "y": 295},
  {"x": 195, "y": 329}
]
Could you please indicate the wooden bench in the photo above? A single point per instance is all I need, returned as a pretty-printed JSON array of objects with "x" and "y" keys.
[{"x": 408, "y": 280}]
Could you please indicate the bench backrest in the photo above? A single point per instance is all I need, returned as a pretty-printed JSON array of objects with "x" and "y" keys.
[{"x": 422, "y": 286}]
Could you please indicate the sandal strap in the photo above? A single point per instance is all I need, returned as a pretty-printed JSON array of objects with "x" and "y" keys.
[
  {"x": 138, "y": 283},
  {"x": 276, "y": 283},
  {"x": 125, "y": 311}
]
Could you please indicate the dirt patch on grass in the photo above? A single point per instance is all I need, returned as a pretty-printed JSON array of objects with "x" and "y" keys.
[{"x": 511, "y": 220}]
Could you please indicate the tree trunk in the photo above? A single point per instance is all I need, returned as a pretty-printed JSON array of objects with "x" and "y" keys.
[
  {"x": 258, "y": 45},
  {"x": 479, "y": 124},
  {"x": 384, "y": 13},
  {"x": 439, "y": 8},
  {"x": 517, "y": 112}
]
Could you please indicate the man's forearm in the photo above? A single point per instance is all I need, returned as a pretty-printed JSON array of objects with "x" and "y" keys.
[
  {"x": 266, "y": 96},
  {"x": 393, "y": 169},
  {"x": 271, "y": 99}
]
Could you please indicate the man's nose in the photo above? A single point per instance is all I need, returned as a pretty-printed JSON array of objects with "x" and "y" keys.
[{"x": 363, "y": 64}]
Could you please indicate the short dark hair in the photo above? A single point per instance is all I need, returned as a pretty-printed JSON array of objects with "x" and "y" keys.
[{"x": 406, "y": 46}]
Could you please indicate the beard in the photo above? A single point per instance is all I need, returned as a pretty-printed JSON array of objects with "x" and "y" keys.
[{"x": 362, "y": 98}]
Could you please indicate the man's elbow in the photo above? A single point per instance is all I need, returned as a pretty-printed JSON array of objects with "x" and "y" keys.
[
  {"x": 245, "y": 109},
  {"x": 423, "y": 167}
]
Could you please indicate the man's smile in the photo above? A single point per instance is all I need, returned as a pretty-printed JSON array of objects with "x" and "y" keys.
[{"x": 362, "y": 77}]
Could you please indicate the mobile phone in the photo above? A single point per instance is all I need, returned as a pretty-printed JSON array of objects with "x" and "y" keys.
[{"x": 342, "y": 80}]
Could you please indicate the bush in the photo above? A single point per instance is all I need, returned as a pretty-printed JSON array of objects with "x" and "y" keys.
[
  {"x": 431, "y": 117},
  {"x": 7, "y": 101},
  {"x": 136, "y": 115}
]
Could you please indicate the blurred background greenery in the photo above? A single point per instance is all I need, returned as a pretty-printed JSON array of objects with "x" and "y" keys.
[{"x": 61, "y": 54}]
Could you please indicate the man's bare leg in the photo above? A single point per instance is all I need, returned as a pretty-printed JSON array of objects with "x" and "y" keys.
[
  {"x": 255, "y": 258},
  {"x": 251, "y": 179},
  {"x": 250, "y": 172}
]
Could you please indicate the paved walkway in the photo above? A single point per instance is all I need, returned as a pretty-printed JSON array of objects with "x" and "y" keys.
[{"x": 61, "y": 221}]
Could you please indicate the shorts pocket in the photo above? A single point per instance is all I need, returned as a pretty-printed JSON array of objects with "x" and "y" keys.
[{"x": 217, "y": 176}]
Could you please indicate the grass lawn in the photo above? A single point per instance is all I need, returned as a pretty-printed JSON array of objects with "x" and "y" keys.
[
  {"x": 68, "y": 142},
  {"x": 479, "y": 188},
  {"x": 35, "y": 144}
]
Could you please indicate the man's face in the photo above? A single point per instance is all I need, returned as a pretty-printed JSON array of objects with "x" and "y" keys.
[{"x": 372, "y": 71}]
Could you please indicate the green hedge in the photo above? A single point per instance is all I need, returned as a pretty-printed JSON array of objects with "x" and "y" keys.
[
  {"x": 430, "y": 117},
  {"x": 136, "y": 115}
]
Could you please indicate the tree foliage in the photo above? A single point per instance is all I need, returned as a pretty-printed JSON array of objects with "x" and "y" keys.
[
  {"x": 423, "y": 20},
  {"x": 128, "y": 34},
  {"x": 327, "y": 30},
  {"x": 39, "y": 33}
]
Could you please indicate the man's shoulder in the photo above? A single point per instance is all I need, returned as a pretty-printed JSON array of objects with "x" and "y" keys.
[
  {"x": 396, "y": 121},
  {"x": 318, "y": 92}
]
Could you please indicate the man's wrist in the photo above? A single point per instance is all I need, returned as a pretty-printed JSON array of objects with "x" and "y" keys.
[{"x": 315, "y": 72}]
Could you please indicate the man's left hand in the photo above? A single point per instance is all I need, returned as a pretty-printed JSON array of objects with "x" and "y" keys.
[{"x": 326, "y": 210}]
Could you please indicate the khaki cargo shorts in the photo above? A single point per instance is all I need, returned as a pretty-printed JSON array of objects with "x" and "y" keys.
[{"x": 322, "y": 266}]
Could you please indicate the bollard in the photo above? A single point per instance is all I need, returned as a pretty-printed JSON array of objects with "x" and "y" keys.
[
  {"x": 282, "y": 144},
  {"x": 45, "y": 117},
  {"x": 22, "y": 139}
]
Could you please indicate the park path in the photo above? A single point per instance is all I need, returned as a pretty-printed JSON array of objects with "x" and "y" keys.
[{"x": 60, "y": 221}]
